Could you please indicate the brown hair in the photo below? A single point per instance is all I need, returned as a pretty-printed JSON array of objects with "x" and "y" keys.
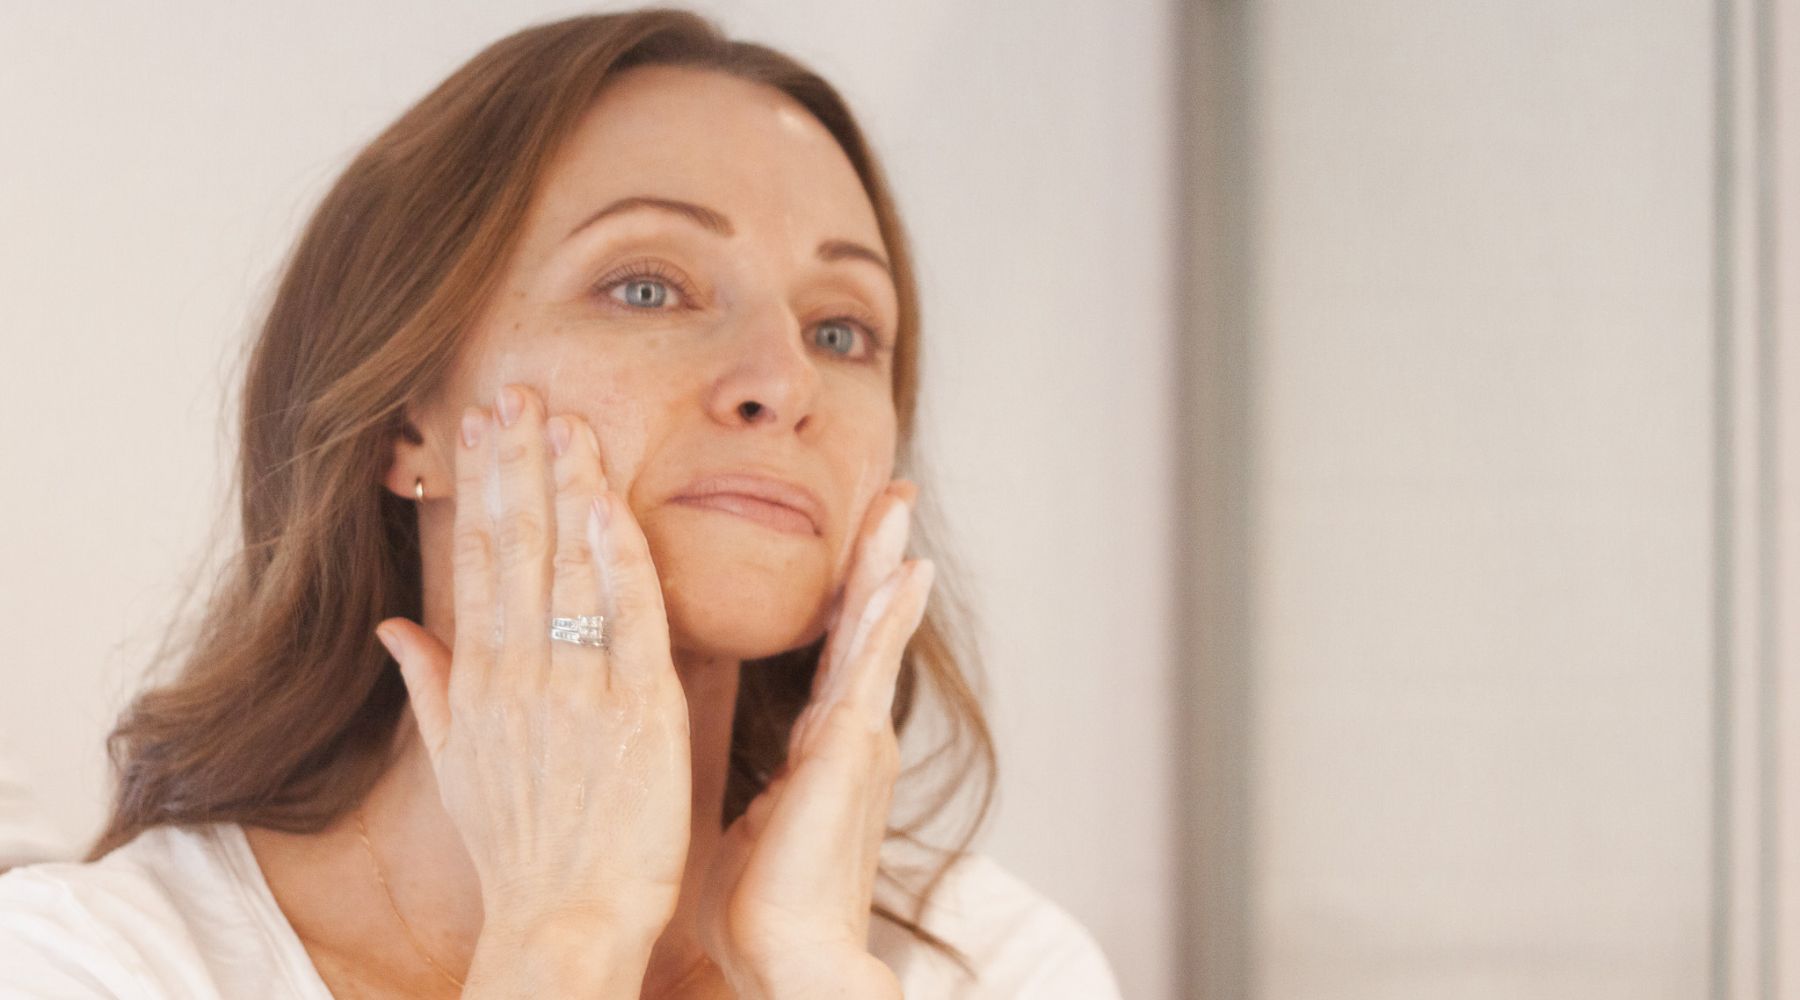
[{"x": 285, "y": 704}]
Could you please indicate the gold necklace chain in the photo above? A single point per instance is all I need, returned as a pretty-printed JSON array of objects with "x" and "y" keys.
[{"x": 362, "y": 831}]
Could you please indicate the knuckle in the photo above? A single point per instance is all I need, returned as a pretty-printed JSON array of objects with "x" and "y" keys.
[
  {"x": 632, "y": 598},
  {"x": 522, "y": 535},
  {"x": 636, "y": 609},
  {"x": 574, "y": 557},
  {"x": 473, "y": 550},
  {"x": 844, "y": 716},
  {"x": 514, "y": 452},
  {"x": 573, "y": 470},
  {"x": 569, "y": 474}
]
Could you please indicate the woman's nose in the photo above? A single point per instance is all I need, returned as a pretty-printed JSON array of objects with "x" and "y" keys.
[{"x": 768, "y": 378}]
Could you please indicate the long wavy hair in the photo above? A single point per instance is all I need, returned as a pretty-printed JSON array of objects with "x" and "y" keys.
[{"x": 284, "y": 706}]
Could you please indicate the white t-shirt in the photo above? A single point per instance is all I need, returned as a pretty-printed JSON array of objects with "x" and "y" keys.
[{"x": 184, "y": 913}]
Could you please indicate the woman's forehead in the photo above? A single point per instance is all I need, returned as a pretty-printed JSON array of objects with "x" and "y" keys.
[{"x": 743, "y": 148}]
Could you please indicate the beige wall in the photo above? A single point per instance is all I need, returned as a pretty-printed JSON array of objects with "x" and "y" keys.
[
  {"x": 158, "y": 159},
  {"x": 1474, "y": 653},
  {"x": 1786, "y": 222}
]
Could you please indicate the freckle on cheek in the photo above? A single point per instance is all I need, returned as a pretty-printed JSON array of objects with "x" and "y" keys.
[{"x": 624, "y": 436}]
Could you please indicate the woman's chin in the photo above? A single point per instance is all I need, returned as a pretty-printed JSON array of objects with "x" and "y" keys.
[
  {"x": 742, "y": 612},
  {"x": 731, "y": 593},
  {"x": 739, "y": 631}
]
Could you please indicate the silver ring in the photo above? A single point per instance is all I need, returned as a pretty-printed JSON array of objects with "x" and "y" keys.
[{"x": 582, "y": 630}]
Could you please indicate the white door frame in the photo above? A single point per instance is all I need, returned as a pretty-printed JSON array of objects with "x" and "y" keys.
[
  {"x": 1785, "y": 325},
  {"x": 1756, "y": 851}
]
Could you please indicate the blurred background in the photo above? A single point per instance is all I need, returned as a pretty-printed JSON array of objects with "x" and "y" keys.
[{"x": 1371, "y": 429}]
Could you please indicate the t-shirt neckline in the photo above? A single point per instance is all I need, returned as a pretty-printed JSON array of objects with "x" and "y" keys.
[{"x": 232, "y": 847}]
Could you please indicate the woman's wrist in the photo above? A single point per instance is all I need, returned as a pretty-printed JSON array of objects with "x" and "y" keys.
[
  {"x": 859, "y": 975},
  {"x": 559, "y": 956}
]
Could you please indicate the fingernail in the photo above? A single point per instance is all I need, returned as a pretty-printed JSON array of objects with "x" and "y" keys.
[
  {"x": 507, "y": 401},
  {"x": 386, "y": 634},
  {"x": 558, "y": 431},
  {"x": 471, "y": 428}
]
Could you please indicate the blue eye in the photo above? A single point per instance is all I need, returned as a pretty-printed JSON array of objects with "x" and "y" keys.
[
  {"x": 644, "y": 293},
  {"x": 836, "y": 335},
  {"x": 647, "y": 284}
]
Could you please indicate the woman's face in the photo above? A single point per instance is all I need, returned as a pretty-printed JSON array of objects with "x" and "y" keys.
[{"x": 749, "y": 334}]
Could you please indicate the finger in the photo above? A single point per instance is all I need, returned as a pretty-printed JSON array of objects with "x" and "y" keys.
[
  {"x": 813, "y": 822},
  {"x": 522, "y": 528},
  {"x": 756, "y": 815},
  {"x": 825, "y": 799},
  {"x": 425, "y": 667},
  {"x": 723, "y": 878},
  {"x": 870, "y": 667},
  {"x": 878, "y": 551},
  {"x": 639, "y": 649},
  {"x": 472, "y": 556},
  {"x": 575, "y": 588},
  {"x": 879, "y": 650},
  {"x": 880, "y": 806}
]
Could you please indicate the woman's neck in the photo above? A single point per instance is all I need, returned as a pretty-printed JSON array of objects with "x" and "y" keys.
[{"x": 433, "y": 881}]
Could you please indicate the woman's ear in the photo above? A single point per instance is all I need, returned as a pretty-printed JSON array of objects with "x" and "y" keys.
[{"x": 416, "y": 460}]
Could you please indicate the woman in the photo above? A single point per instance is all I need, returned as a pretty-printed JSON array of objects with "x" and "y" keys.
[{"x": 586, "y": 384}]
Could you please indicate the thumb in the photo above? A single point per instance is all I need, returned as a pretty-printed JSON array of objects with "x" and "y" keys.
[{"x": 425, "y": 667}]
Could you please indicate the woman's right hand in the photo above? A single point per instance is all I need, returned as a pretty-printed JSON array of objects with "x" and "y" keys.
[{"x": 565, "y": 768}]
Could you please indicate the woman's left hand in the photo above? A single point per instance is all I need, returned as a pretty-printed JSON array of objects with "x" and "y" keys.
[{"x": 785, "y": 908}]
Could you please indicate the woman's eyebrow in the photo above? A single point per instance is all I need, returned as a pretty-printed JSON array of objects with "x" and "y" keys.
[{"x": 715, "y": 222}]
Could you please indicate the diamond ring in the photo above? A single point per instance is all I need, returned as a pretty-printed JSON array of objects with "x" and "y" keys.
[{"x": 582, "y": 630}]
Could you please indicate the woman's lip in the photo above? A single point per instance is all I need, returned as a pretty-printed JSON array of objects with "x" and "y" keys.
[{"x": 773, "y": 515}]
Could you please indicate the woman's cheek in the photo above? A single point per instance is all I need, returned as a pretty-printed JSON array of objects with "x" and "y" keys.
[
  {"x": 727, "y": 595},
  {"x": 622, "y": 417}
]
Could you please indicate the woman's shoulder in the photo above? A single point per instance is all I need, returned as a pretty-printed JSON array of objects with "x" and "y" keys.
[
  {"x": 158, "y": 916},
  {"x": 1020, "y": 943},
  {"x": 157, "y": 873}
]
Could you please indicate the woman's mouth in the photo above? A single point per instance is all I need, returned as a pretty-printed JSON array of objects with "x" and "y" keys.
[
  {"x": 764, "y": 512},
  {"x": 771, "y": 500}
]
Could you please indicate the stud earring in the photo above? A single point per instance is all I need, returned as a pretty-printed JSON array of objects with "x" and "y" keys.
[{"x": 419, "y": 488}]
